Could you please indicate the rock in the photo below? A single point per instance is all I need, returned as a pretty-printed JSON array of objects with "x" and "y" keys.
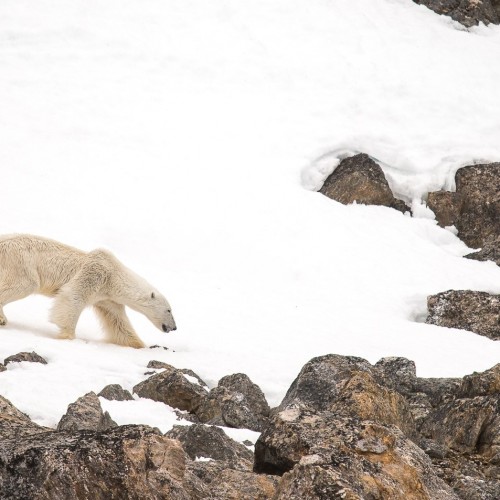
[
  {"x": 134, "y": 462},
  {"x": 359, "y": 179},
  {"x": 475, "y": 206},
  {"x": 15, "y": 424},
  {"x": 229, "y": 484},
  {"x": 202, "y": 441},
  {"x": 490, "y": 251},
  {"x": 115, "y": 392},
  {"x": 159, "y": 365},
  {"x": 173, "y": 388},
  {"x": 235, "y": 402},
  {"x": 481, "y": 384},
  {"x": 467, "y": 12},
  {"x": 32, "y": 357},
  {"x": 446, "y": 206},
  {"x": 326, "y": 456},
  {"x": 2, "y": 368},
  {"x": 477, "y": 312},
  {"x": 86, "y": 414}
]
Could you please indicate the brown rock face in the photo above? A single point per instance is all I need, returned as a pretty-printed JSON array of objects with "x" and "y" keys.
[
  {"x": 467, "y": 12},
  {"x": 115, "y": 392},
  {"x": 475, "y": 206},
  {"x": 86, "y": 414},
  {"x": 478, "y": 312},
  {"x": 359, "y": 179}
]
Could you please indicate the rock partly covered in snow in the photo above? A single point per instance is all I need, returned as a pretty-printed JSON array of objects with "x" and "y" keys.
[
  {"x": 467, "y": 12},
  {"x": 115, "y": 392},
  {"x": 15, "y": 424},
  {"x": 235, "y": 402},
  {"x": 475, "y": 206},
  {"x": 31, "y": 357},
  {"x": 86, "y": 414},
  {"x": 466, "y": 310},
  {"x": 359, "y": 179},
  {"x": 490, "y": 251}
]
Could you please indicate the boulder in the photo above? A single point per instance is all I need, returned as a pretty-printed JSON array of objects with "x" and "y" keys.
[
  {"x": 2, "y": 368},
  {"x": 485, "y": 383},
  {"x": 359, "y": 179},
  {"x": 133, "y": 462},
  {"x": 235, "y": 402},
  {"x": 115, "y": 392},
  {"x": 14, "y": 424},
  {"x": 475, "y": 206},
  {"x": 210, "y": 442},
  {"x": 490, "y": 251},
  {"x": 31, "y": 357},
  {"x": 477, "y": 312},
  {"x": 173, "y": 388},
  {"x": 466, "y": 12},
  {"x": 86, "y": 414},
  {"x": 160, "y": 365}
]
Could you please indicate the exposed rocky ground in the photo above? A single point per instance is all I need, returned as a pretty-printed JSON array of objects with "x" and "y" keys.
[
  {"x": 345, "y": 429},
  {"x": 467, "y": 12}
]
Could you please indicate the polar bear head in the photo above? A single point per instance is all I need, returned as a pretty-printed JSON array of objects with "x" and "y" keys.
[{"x": 157, "y": 309}]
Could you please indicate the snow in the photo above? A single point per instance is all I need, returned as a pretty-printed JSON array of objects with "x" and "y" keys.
[{"x": 188, "y": 137}]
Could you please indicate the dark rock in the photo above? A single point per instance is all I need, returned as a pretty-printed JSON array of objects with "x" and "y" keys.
[
  {"x": 467, "y": 12},
  {"x": 172, "y": 388},
  {"x": 398, "y": 373},
  {"x": 133, "y": 462},
  {"x": 490, "y": 251},
  {"x": 115, "y": 392},
  {"x": 86, "y": 414},
  {"x": 2, "y": 368},
  {"x": 159, "y": 365},
  {"x": 235, "y": 402},
  {"x": 475, "y": 207},
  {"x": 478, "y": 312},
  {"x": 31, "y": 357},
  {"x": 481, "y": 384},
  {"x": 359, "y": 179},
  {"x": 15, "y": 424},
  {"x": 199, "y": 440}
]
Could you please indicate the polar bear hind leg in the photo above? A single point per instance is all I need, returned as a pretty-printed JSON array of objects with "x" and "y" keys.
[
  {"x": 116, "y": 324},
  {"x": 23, "y": 286}
]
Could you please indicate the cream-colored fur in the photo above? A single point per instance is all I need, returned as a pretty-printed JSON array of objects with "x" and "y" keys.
[{"x": 31, "y": 264}]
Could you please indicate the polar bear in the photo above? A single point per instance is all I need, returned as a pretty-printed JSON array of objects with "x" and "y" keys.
[{"x": 31, "y": 264}]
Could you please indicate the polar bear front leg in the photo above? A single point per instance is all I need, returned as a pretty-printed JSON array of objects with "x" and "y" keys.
[
  {"x": 66, "y": 311},
  {"x": 116, "y": 324},
  {"x": 24, "y": 286}
]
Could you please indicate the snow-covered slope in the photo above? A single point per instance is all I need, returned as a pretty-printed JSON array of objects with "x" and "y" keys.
[{"x": 187, "y": 137}]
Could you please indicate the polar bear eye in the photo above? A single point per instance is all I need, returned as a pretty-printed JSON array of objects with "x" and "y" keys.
[{"x": 152, "y": 295}]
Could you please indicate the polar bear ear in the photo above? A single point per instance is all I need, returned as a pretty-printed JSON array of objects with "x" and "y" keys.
[{"x": 152, "y": 295}]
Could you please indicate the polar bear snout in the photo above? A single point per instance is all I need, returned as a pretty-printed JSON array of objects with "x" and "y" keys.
[{"x": 167, "y": 328}]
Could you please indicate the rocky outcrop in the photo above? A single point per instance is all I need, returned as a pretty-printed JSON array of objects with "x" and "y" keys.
[
  {"x": 490, "y": 251},
  {"x": 467, "y": 12},
  {"x": 15, "y": 424},
  {"x": 86, "y": 414},
  {"x": 359, "y": 179},
  {"x": 31, "y": 357},
  {"x": 475, "y": 206},
  {"x": 175, "y": 388},
  {"x": 478, "y": 312},
  {"x": 115, "y": 392},
  {"x": 235, "y": 402}
]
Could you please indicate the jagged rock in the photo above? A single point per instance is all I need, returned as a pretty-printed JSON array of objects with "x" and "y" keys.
[
  {"x": 202, "y": 441},
  {"x": 359, "y": 179},
  {"x": 86, "y": 414},
  {"x": 14, "y": 424},
  {"x": 490, "y": 251},
  {"x": 481, "y": 384},
  {"x": 235, "y": 402},
  {"x": 475, "y": 206},
  {"x": 159, "y": 365},
  {"x": 477, "y": 312},
  {"x": 133, "y": 462},
  {"x": 173, "y": 388},
  {"x": 327, "y": 453},
  {"x": 348, "y": 385},
  {"x": 31, "y": 357},
  {"x": 115, "y": 392},
  {"x": 467, "y": 12}
]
